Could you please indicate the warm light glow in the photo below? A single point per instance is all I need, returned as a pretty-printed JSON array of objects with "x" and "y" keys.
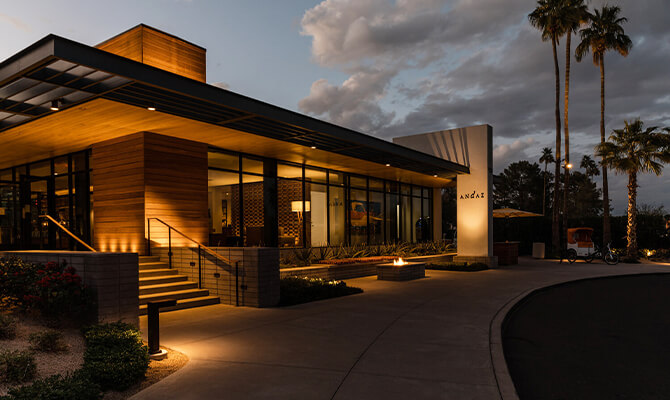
[
  {"x": 296, "y": 206},
  {"x": 54, "y": 105},
  {"x": 151, "y": 108},
  {"x": 649, "y": 253},
  {"x": 399, "y": 262},
  {"x": 568, "y": 166},
  {"x": 313, "y": 147},
  {"x": 388, "y": 165}
]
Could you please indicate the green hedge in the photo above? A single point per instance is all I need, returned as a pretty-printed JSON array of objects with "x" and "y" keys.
[
  {"x": 296, "y": 290},
  {"x": 115, "y": 356},
  {"x": 75, "y": 386}
]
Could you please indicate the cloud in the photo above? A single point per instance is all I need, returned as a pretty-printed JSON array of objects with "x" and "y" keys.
[
  {"x": 16, "y": 22},
  {"x": 504, "y": 154},
  {"x": 421, "y": 66}
]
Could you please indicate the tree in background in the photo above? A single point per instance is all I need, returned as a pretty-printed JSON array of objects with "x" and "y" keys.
[
  {"x": 584, "y": 200},
  {"x": 519, "y": 187},
  {"x": 590, "y": 167},
  {"x": 631, "y": 151},
  {"x": 604, "y": 33},
  {"x": 545, "y": 159},
  {"x": 548, "y": 17}
]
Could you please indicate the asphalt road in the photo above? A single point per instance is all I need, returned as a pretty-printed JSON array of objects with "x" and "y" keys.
[{"x": 605, "y": 338}]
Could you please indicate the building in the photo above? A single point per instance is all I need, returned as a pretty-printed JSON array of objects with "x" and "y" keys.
[{"x": 107, "y": 139}]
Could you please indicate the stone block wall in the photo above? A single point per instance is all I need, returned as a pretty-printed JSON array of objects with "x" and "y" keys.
[
  {"x": 113, "y": 276},
  {"x": 257, "y": 273}
]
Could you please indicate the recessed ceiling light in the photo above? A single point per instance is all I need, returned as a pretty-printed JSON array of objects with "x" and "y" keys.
[
  {"x": 388, "y": 165},
  {"x": 435, "y": 176},
  {"x": 151, "y": 108},
  {"x": 54, "y": 105},
  {"x": 313, "y": 147}
]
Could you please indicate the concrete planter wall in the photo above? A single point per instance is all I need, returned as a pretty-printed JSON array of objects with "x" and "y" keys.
[
  {"x": 113, "y": 276},
  {"x": 348, "y": 271},
  {"x": 257, "y": 274}
]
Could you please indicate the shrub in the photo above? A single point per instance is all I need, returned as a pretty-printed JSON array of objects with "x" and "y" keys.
[
  {"x": 47, "y": 341},
  {"x": 115, "y": 356},
  {"x": 17, "y": 280},
  {"x": 75, "y": 386},
  {"x": 7, "y": 327},
  {"x": 17, "y": 366},
  {"x": 296, "y": 290}
]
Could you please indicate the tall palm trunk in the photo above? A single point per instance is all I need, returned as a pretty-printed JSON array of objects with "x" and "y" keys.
[
  {"x": 555, "y": 230},
  {"x": 544, "y": 191},
  {"x": 631, "y": 228},
  {"x": 606, "y": 198},
  {"x": 566, "y": 131}
]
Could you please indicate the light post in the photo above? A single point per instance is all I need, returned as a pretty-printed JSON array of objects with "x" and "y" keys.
[{"x": 567, "y": 166}]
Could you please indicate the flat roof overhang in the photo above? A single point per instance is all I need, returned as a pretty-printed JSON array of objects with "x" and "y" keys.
[{"x": 106, "y": 96}]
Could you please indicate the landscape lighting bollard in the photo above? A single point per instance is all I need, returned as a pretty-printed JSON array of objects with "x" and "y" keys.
[{"x": 153, "y": 326}]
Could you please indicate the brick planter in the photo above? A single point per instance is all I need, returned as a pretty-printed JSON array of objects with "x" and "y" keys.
[{"x": 407, "y": 272}]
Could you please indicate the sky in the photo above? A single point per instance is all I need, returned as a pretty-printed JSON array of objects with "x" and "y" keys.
[{"x": 398, "y": 67}]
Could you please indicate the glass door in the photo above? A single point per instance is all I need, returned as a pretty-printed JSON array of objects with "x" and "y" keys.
[{"x": 8, "y": 213}]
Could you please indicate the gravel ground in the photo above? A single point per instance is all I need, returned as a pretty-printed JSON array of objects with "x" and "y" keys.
[{"x": 47, "y": 363}]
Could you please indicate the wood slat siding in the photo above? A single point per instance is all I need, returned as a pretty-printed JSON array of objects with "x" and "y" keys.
[
  {"x": 146, "y": 175},
  {"x": 161, "y": 50},
  {"x": 118, "y": 193}
]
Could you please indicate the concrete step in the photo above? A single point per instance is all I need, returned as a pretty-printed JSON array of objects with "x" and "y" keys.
[
  {"x": 153, "y": 265},
  {"x": 186, "y": 303},
  {"x": 144, "y": 259},
  {"x": 157, "y": 280},
  {"x": 167, "y": 287},
  {"x": 177, "y": 294},
  {"x": 147, "y": 273}
]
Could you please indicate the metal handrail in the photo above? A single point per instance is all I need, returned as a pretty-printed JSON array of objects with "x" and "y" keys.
[
  {"x": 201, "y": 246},
  {"x": 58, "y": 224}
]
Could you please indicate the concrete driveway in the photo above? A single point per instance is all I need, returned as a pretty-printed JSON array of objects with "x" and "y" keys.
[{"x": 423, "y": 339}]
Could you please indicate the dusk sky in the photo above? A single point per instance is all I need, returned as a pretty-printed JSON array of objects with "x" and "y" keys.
[{"x": 392, "y": 68}]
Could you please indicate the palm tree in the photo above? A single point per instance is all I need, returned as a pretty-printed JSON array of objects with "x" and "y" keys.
[
  {"x": 604, "y": 33},
  {"x": 548, "y": 18},
  {"x": 632, "y": 150},
  {"x": 545, "y": 159},
  {"x": 590, "y": 167},
  {"x": 574, "y": 14}
]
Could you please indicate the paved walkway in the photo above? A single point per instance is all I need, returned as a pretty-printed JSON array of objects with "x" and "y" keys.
[{"x": 423, "y": 339}]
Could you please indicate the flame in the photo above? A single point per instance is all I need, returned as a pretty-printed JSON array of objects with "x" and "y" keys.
[{"x": 400, "y": 261}]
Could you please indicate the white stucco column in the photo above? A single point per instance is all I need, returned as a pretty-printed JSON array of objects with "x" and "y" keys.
[{"x": 473, "y": 147}]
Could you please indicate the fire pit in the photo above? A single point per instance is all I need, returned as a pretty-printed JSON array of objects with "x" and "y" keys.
[{"x": 400, "y": 270}]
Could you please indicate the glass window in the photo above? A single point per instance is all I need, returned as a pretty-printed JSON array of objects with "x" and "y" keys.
[
  {"x": 252, "y": 166},
  {"x": 62, "y": 208},
  {"x": 404, "y": 189},
  {"x": 416, "y": 191},
  {"x": 61, "y": 166},
  {"x": 286, "y": 171},
  {"x": 406, "y": 218},
  {"x": 358, "y": 182},
  {"x": 316, "y": 215},
  {"x": 335, "y": 178},
  {"x": 223, "y": 160},
  {"x": 315, "y": 175},
  {"x": 416, "y": 219},
  {"x": 427, "y": 192},
  {"x": 376, "y": 184},
  {"x": 376, "y": 216},
  {"x": 392, "y": 187},
  {"x": 358, "y": 216},
  {"x": 392, "y": 218},
  {"x": 223, "y": 196},
  {"x": 428, "y": 219},
  {"x": 289, "y": 212},
  {"x": 40, "y": 169},
  {"x": 253, "y": 210},
  {"x": 336, "y": 210},
  {"x": 6, "y": 175}
]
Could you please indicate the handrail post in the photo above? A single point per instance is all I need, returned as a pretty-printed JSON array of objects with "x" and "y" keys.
[
  {"x": 237, "y": 286},
  {"x": 199, "y": 270},
  {"x": 170, "y": 246},
  {"x": 148, "y": 236}
]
